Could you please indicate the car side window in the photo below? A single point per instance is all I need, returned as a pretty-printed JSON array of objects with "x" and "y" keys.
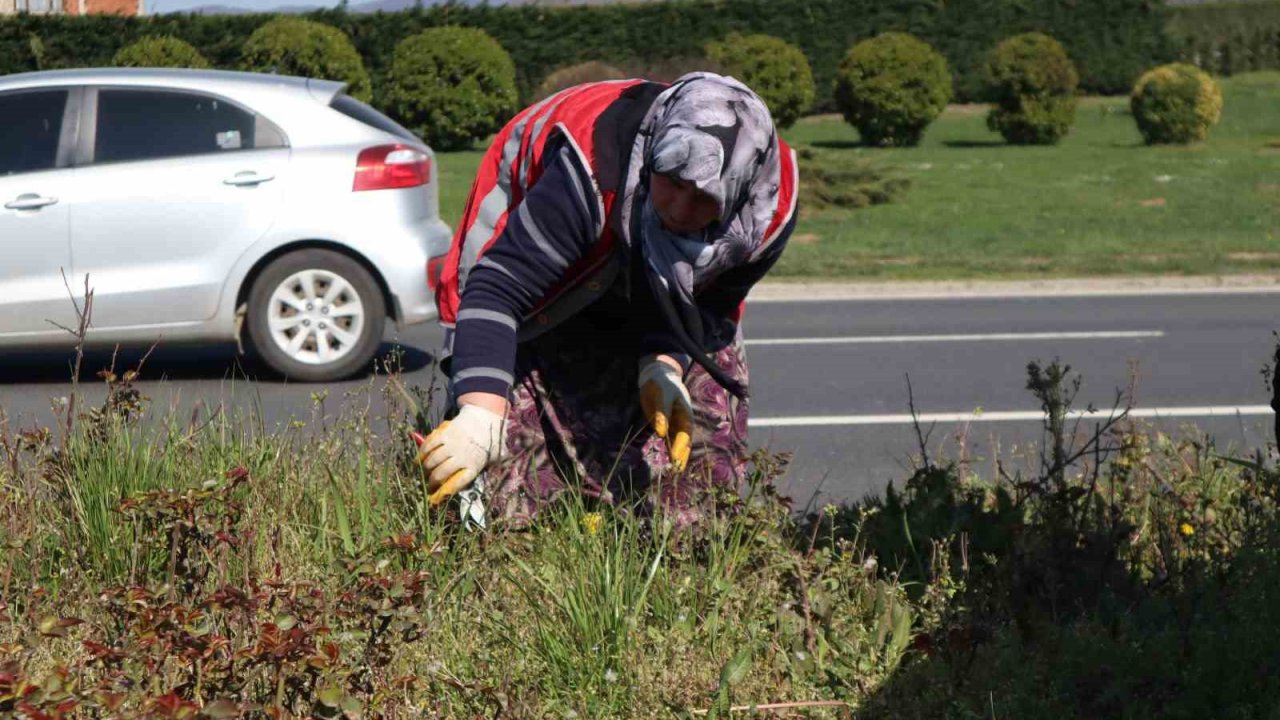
[
  {"x": 32, "y": 126},
  {"x": 155, "y": 124}
]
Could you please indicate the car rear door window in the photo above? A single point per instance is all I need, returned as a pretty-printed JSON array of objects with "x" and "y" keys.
[
  {"x": 155, "y": 124},
  {"x": 361, "y": 112},
  {"x": 32, "y": 126}
]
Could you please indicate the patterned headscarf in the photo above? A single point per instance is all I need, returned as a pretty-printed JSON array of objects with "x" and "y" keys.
[{"x": 715, "y": 133}]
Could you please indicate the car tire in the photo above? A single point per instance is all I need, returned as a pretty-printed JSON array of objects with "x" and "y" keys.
[{"x": 316, "y": 316}]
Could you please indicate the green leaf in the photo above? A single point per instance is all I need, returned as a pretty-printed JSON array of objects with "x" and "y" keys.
[
  {"x": 221, "y": 709},
  {"x": 362, "y": 492},
  {"x": 51, "y": 626},
  {"x": 330, "y": 697},
  {"x": 735, "y": 670},
  {"x": 352, "y": 708},
  {"x": 344, "y": 522}
]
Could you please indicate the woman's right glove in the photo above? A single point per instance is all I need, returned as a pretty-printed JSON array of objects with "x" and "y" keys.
[
  {"x": 458, "y": 449},
  {"x": 666, "y": 404}
]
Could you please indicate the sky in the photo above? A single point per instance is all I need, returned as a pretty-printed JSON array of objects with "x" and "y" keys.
[{"x": 163, "y": 6}]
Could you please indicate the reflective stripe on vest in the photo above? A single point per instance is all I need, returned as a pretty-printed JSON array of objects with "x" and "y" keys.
[{"x": 513, "y": 164}]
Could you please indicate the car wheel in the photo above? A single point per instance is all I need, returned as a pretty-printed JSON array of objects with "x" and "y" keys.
[{"x": 316, "y": 315}]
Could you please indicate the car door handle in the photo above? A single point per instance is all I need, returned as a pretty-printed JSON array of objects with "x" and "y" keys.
[
  {"x": 29, "y": 201},
  {"x": 246, "y": 179}
]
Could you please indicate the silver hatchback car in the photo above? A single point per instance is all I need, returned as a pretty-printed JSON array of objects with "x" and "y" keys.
[{"x": 204, "y": 203}]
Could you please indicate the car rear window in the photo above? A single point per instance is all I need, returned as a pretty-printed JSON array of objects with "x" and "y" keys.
[
  {"x": 32, "y": 125},
  {"x": 358, "y": 111}
]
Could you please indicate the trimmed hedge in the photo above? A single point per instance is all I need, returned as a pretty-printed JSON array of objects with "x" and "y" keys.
[
  {"x": 1228, "y": 38},
  {"x": 567, "y": 77},
  {"x": 160, "y": 52},
  {"x": 1176, "y": 103},
  {"x": 451, "y": 86},
  {"x": 891, "y": 88},
  {"x": 1112, "y": 41},
  {"x": 776, "y": 70},
  {"x": 1033, "y": 85},
  {"x": 294, "y": 46}
]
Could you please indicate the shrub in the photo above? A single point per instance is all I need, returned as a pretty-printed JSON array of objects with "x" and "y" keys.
[
  {"x": 668, "y": 69},
  {"x": 1176, "y": 103},
  {"x": 1033, "y": 84},
  {"x": 1111, "y": 41},
  {"x": 834, "y": 179},
  {"x": 159, "y": 51},
  {"x": 451, "y": 85},
  {"x": 585, "y": 72},
  {"x": 777, "y": 70},
  {"x": 293, "y": 46},
  {"x": 891, "y": 87}
]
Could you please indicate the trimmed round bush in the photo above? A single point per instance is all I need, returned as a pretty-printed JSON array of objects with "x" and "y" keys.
[
  {"x": 891, "y": 88},
  {"x": 1176, "y": 103},
  {"x": 159, "y": 51},
  {"x": 585, "y": 72},
  {"x": 294, "y": 46},
  {"x": 776, "y": 70},
  {"x": 669, "y": 68},
  {"x": 451, "y": 85},
  {"x": 1032, "y": 82}
]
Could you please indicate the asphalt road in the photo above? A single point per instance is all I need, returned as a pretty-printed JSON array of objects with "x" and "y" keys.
[{"x": 830, "y": 378}]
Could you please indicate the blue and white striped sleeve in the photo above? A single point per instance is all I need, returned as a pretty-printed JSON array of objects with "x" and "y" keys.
[{"x": 545, "y": 235}]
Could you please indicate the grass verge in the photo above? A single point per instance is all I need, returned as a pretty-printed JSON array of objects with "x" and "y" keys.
[{"x": 159, "y": 567}]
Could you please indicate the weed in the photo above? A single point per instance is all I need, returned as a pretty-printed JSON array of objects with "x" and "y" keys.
[{"x": 165, "y": 569}]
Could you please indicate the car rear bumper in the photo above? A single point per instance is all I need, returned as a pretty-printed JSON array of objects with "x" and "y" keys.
[{"x": 406, "y": 277}]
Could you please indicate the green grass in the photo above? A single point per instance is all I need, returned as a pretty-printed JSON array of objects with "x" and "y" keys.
[{"x": 1100, "y": 203}]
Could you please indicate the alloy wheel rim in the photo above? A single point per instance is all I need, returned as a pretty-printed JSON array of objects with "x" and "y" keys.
[{"x": 315, "y": 316}]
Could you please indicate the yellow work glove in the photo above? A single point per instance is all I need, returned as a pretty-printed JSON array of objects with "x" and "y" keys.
[
  {"x": 667, "y": 407},
  {"x": 458, "y": 449}
]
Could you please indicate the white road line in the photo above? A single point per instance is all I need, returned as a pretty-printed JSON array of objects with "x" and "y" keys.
[
  {"x": 1004, "y": 416},
  {"x": 785, "y": 292},
  {"x": 884, "y": 339}
]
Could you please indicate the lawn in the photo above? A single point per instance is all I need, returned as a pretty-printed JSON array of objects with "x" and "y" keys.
[{"x": 1100, "y": 203}]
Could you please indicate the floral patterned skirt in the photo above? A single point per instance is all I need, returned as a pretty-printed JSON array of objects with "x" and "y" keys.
[{"x": 575, "y": 420}]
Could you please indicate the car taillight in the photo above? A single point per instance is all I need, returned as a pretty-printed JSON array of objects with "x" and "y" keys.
[{"x": 387, "y": 167}]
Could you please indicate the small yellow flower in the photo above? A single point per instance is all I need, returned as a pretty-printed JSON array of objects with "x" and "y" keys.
[
  {"x": 1187, "y": 529},
  {"x": 591, "y": 522}
]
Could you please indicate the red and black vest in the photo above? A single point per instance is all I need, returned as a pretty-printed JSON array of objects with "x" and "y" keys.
[{"x": 599, "y": 121}]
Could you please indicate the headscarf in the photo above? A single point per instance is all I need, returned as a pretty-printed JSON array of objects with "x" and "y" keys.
[{"x": 715, "y": 133}]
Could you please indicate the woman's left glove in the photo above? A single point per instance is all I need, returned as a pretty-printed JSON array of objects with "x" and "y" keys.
[
  {"x": 668, "y": 408},
  {"x": 458, "y": 449}
]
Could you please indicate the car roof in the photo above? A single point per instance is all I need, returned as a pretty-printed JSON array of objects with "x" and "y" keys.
[{"x": 225, "y": 81}]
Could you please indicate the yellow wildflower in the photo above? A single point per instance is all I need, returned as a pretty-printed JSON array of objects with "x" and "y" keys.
[
  {"x": 1187, "y": 529},
  {"x": 591, "y": 522}
]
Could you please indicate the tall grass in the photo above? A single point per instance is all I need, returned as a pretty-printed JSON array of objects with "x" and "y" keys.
[{"x": 155, "y": 564}]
